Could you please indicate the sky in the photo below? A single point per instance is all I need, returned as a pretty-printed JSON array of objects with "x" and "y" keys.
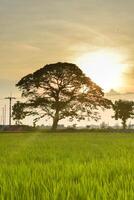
[{"x": 34, "y": 33}]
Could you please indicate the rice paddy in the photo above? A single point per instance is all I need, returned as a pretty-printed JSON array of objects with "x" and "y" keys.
[{"x": 66, "y": 166}]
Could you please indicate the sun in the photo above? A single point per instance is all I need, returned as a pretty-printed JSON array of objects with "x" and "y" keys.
[{"x": 105, "y": 67}]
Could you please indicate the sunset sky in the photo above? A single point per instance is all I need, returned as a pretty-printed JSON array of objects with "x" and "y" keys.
[{"x": 34, "y": 33}]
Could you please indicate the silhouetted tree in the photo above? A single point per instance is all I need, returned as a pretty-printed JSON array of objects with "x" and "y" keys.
[
  {"x": 18, "y": 113},
  {"x": 123, "y": 110},
  {"x": 61, "y": 90}
]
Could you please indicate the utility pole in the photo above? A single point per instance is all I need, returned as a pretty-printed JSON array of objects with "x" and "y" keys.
[
  {"x": 10, "y": 109},
  {"x": 3, "y": 113},
  {"x": 5, "y": 110},
  {"x": 1, "y": 120}
]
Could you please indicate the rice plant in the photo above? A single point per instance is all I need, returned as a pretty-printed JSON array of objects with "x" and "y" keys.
[{"x": 66, "y": 166}]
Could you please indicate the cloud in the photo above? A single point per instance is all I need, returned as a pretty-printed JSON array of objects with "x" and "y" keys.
[
  {"x": 27, "y": 47},
  {"x": 34, "y": 33},
  {"x": 129, "y": 79}
]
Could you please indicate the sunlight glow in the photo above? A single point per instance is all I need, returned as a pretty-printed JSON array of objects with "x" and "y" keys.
[{"x": 104, "y": 67}]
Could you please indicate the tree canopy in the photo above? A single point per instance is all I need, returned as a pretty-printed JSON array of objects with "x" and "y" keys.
[
  {"x": 62, "y": 90},
  {"x": 123, "y": 110}
]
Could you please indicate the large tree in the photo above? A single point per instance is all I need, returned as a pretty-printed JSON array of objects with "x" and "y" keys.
[
  {"x": 123, "y": 110},
  {"x": 62, "y": 90}
]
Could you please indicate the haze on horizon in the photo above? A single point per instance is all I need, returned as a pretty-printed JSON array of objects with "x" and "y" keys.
[{"x": 34, "y": 33}]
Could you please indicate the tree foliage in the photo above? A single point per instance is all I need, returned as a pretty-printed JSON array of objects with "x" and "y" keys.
[
  {"x": 123, "y": 110},
  {"x": 18, "y": 113},
  {"x": 21, "y": 110},
  {"x": 62, "y": 90}
]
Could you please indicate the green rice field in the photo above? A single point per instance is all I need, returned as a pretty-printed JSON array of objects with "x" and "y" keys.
[{"x": 66, "y": 166}]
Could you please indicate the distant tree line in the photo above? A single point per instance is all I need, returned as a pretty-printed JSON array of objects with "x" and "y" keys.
[{"x": 62, "y": 90}]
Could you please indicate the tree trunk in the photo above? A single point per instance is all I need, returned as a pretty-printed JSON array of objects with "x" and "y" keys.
[
  {"x": 124, "y": 124},
  {"x": 55, "y": 120}
]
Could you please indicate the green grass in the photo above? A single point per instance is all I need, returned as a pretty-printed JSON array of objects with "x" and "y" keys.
[{"x": 61, "y": 166}]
